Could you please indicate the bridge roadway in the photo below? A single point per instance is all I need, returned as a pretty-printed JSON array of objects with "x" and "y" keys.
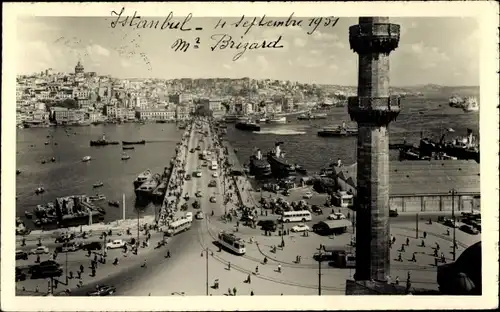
[{"x": 185, "y": 271}]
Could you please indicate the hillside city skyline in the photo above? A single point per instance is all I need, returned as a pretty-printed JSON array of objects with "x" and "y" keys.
[{"x": 323, "y": 58}]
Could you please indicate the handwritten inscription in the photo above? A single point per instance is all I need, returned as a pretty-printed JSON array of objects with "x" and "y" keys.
[{"x": 223, "y": 40}]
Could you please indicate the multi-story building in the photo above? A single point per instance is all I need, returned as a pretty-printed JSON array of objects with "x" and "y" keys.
[
  {"x": 182, "y": 112},
  {"x": 156, "y": 114},
  {"x": 248, "y": 108},
  {"x": 84, "y": 103},
  {"x": 63, "y": 115},
  {"x": 288, "y": 104}
]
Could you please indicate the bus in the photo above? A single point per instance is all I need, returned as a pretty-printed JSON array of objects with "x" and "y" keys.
[
  {"x": 231, "y": 242},
  {"x": 214, "y": 165},
  {"x": 178, "y": 226},
  {"x": 296, "y": 216}
]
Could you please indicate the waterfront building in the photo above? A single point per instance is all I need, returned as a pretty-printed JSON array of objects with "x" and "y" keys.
[
  {"x": 417, "y": 186},
  {"x": 63, "y": 115},
  {"x": 373, "y": 109},
  {"x": 155, "y": 114},
  {"x": 248, "y": 108},
  {"x": 182, "y": 112},
  {"x": 288, "y": 104}
]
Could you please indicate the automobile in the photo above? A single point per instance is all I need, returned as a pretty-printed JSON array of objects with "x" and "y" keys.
[
  {"x": 198, "y": 194},
  {"x": 267, "y": 225},
  {"x": 336, "y": 216},
  {"x": 215, "y": 175},
  {"x": 67, "y": 247},
  {"x": 212, "y": 183},
  {"x": 198, "y": 148},
  {"x": 204, "y": 164},
  {"x": 46, "y": 269},
  {"x": 20, "y": 275},
  {"x": 469, "y": 229},
  {"x": 199, "y": 215},
  {"x": 393, "y": 213},
  {"x": 286, "y": 192},
  {"x": 188, "y": 177},
  {"x": 117, "y": 243},
  {"x": 191, "y": 150},
  {"x": 300, "y": 228},
  {"x": 189, "y": 216},
  {"x": 186, "y": 197},
  {"x": 308, "y": 195},
  {"x": 64, "y": 238},
  {"x": 196, "y": 205},
  {"x": 450, "y": 223},
  {"x": 316, "y": 209},
  {"x": 102, "y": 290},
  {"x": 213, "y": 199},
  {"x": 92, "y": 246},
  {"x": 21, "y": 255},
  {"x": 197, "y": 174},
  {"x": 39, "y": 250}
]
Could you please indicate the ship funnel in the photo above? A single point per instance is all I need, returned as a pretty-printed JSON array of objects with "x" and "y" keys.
[
  {"x": 470, "y": 136},
  {"x": 259, "y": 154},
  {"x": 277, "y": 150}
]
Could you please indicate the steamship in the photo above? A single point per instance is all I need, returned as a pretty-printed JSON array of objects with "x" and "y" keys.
[
  {"x": 259, "y": 167},
  {"x": 461, "y": 147},
  {"x": 279, "y": 165},
  {"x": 246, "y": 125},
  {"x": 339, "y": 131}
]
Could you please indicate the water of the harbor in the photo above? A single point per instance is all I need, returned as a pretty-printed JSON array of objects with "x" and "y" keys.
[
  {"x": 68, "y": 175},
  {"x": 303, "y": 146}
]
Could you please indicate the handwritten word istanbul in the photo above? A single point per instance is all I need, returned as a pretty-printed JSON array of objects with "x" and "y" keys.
[{"x": 223, "y": 41}]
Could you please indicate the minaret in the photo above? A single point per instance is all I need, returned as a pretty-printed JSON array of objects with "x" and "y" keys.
[{"x": 373, "y": 109}]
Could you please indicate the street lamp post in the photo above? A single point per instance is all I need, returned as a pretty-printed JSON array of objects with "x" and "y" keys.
[
  {"x": 416, "y": 226},
  {"x": 453, "y": 219},
  {"x": 137, "y": 243},
  {"x": 66, "y": 267},
  {"x": 320, "y": 254},
  {"x": 282, "y": 232},
  {"x": 206, "y": 257}
]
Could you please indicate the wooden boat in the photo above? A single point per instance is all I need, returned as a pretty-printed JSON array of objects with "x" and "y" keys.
[
  {"x": 128, "y": 147},
  {"x": 98, "y": 184}
]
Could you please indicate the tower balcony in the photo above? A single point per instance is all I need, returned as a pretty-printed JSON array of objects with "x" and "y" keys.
[
  {"x": 374, "y": 110},
  {"x": 374, "y": 38}
]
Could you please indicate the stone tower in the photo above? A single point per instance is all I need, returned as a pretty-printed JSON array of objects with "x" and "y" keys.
[{"x": 373, "y": 109}]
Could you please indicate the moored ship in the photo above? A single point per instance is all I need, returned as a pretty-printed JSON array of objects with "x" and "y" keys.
[
  {"x": 461, "y": 147},
  {"x": 259, "y": 167},
  {"x": 310, "y": 116},
  {"x": 276, "y": 120},
  {"x": 279, "y": 165},
  {"x": 470, "y": 105},
  {"x": 103, "y": 142},
  {"x": 143, "y": 177},
  {"x": 339, "y": 131},
  {"x": 246, "y": 125},
  {"x": 161, "y": 189},
  {"x": 145, "y": 191},
  {"x": 133, "y": 142}
]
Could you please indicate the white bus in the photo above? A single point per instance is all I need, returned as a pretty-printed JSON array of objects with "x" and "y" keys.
[
  {"x": 178, "y": 226},
  {"x": 214, "y": 165},
  {"x": 295, "y": 216},
  {"x": 231, "y": 242}
]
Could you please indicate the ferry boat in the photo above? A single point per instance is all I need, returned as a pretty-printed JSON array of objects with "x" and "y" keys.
[
  {"x": 103, "y": 142},
  {"x": 133, "y": 142},
  {"x": 125, "y": 156},
  {"x": 470, "y": 105},
  {"x": 145, "y": 191},
  {"x": 276, "y": 120},
  {"x": 279, "y": 165},
  {"x": 259, "y": 167},
  {"x": 143, "y": 177},
  {"x": 310, "y": 116},
  {"x": 247, "y": 125},
  {"x": 86, "y": 158},
  {"x": 339, "y": 131}
]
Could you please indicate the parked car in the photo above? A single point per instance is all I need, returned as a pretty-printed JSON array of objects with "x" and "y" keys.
[
  {"x": 316, "y": 209},
  {"x": 469, "y": 229},
  {"x": 103, "y": 290},
  {"x": 286, "y": 192},
  {"x": 300, "y": 228},
  {"x": 21, "y": 255},
  {"x": 336, "y": 216},
  {"x": 198, "y": 194},
  {"x": 212, "y": 183},
  {"x": 67, "y": 247},
  {"x": 267, "y": 225},
  {"x": 39, "y": 250},
  {"x": 393, "y": 213},
  {"x": 20, "y": 275},
  {"x": 215, "y": 175},
  {"x": 196, "y": 205},
  {"x": 189, "y": 216},
  {"x": 213, "y": 199},
  {"x": 308, "y": 195},
  {"x": 199, "y": 215},
  {"x": 191, "y": 150},
  {"x": 92, "y": 246},
  {"x": 46, "y": 269},
  {"x": 117, "y": 243},
  {"x": 450, "y": 223},
  {"x": 188, "y": 177}
]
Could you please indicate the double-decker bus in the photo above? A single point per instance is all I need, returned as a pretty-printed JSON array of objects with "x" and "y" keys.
[
  {"x": 179, "y": 226},
  {"x": 231, "y": 242}
]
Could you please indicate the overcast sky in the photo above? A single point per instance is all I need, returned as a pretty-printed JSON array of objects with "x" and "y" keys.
[{"x": 431, "y": 50}]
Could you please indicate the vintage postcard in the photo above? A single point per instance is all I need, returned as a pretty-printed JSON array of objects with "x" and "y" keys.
[{"x": 249, "y": 156}]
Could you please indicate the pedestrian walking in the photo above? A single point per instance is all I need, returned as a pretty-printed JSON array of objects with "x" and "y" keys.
[
  {"x": 229, "y": 291},
  {"x": 229, "y": 266},
  {"x": 393, "y": 239},
  {"x": 413, "y": 258},
  {"x": 265, "y": 260},
  {"x": 257, "y": 270},
  {"x": 400, "y": 258},
  {"x": 397, "y": 280},
  {"x": 437, "y": 246},
  {"x": 402, "y": 247},
  {"x": 279, "y": 268},
  {"x": 37, "y": 259},
  {"x": 423, "y": 243},
  {"x": 448, "y": 232},
  {"x": 425, "y": 235},
  {"x": 251, "y": 293},
  {"x": 234, "y": 291},
  {"x": 407, "y": 241},
  {"x": 249, "y": 281},
  {"x": 81, "y": 268},
  {"x": 36, "y": 289}
]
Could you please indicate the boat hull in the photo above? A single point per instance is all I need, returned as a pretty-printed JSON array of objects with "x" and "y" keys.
[
  {"x": 279, "y": 168},
  {"x": 261, "y": 169},
  {"x": 247, "y": 127},
  {"x": 133, "y": 142},
  {"x": 330, "y": 133}
]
